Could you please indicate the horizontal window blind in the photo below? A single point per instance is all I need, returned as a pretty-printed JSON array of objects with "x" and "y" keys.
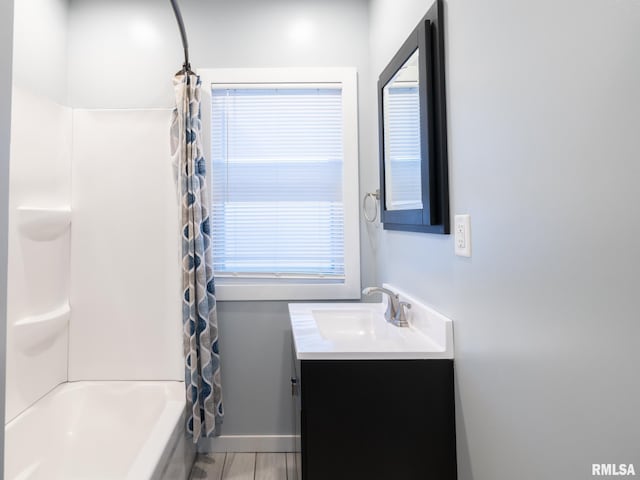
[
  {"x": 402, "y": 148},
  {"x": 277, "y": 205}
]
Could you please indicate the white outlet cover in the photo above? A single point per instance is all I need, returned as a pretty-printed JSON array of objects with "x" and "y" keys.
[{"x": 462, "y": 235}]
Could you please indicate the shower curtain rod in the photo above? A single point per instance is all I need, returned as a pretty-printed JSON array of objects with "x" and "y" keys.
[{"x": 186, "y": 67}]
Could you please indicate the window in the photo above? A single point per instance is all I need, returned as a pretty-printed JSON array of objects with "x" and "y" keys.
[{"x": 284, "y": 178}]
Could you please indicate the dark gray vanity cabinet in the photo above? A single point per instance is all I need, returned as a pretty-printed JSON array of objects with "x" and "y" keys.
[{"x": 375, "y": 419}]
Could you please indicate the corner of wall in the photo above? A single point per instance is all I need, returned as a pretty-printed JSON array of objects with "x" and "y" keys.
[
  {"x": 39, "y": 199},
  {"x": 6, "y": 51}
]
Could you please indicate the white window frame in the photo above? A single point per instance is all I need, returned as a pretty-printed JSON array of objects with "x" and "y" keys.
[{"x": 268, "y": 288}]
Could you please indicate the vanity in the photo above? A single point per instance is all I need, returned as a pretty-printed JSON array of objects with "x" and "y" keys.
[{"x": 372, "y": 400}]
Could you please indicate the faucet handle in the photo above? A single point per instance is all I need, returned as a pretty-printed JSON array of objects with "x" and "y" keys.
[{"x": 401, "y": 315}]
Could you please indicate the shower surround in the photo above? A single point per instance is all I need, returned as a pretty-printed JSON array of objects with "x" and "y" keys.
[{"x": 94, "y": 272}]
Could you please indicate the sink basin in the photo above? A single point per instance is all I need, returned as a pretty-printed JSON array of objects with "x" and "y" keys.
[
  {"x": 343, "y": 325},
  {"x": 359, "y": 331}
]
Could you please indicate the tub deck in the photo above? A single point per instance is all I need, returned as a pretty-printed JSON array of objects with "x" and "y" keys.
[{"x": 100, "y": 431}]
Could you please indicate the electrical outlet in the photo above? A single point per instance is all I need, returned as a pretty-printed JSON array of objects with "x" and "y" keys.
[{"x": 462, "y": 234}]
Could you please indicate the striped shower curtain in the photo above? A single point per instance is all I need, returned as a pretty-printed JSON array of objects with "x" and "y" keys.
[{"x": 200, "y": 324}]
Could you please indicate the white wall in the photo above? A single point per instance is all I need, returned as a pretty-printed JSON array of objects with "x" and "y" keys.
[
  {"x": 6, "y": 51},
  {"x": 125, "y": 273},
  {"x": 38, "y": 270},
  {"x": 123, "y": 55},
  {"x": 543, "y": 111}
]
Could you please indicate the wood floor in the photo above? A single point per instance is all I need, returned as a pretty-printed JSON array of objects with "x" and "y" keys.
[{"x": 244, "y": 466}]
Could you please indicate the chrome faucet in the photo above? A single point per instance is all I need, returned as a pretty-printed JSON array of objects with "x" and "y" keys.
[{"x": 396, "y": 312}]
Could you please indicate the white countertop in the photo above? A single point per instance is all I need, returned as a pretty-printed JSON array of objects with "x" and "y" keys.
[{"x": 351, "y": 331}]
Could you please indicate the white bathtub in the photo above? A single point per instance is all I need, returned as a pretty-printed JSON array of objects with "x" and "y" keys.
[{"x": 101, "y": 431}]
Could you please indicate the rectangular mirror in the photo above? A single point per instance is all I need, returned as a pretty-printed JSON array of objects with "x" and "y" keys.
[
  {"x": 401, "y": 104},
  {"x": 412, "y": 123}
]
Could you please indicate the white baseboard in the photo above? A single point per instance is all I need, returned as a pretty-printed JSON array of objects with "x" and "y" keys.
[{"x": 247, "y": 443}]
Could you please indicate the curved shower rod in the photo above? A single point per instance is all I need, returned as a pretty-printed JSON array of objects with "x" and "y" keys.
[{"x": 186, "y": 67}]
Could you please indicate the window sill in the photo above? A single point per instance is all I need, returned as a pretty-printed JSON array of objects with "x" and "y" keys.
[{"x": 285, "y": 292}]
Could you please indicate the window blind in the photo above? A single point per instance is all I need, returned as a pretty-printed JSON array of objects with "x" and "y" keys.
[
  {"x": 402, "y": 145},
  {"x": 277, "y": 186}
]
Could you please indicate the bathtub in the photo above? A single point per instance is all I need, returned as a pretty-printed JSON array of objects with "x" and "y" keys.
[{"x": 101, "y": 431}]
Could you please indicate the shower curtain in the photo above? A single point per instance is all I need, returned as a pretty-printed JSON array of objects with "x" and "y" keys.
[{"x": 199, "y": 318}]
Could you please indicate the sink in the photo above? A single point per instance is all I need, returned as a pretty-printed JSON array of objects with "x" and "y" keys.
[
  {"x": 341, "y": 324},
  {"x": 359, "y": 331}
]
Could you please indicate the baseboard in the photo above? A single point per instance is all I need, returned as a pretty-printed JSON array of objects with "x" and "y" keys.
[{"x": 247, "y": 443}]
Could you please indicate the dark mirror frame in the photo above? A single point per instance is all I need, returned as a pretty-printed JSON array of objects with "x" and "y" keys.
[{"x": 428, "y": 37}]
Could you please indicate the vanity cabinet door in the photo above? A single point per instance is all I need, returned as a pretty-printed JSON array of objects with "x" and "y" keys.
[{"x": 378, "y": 420}]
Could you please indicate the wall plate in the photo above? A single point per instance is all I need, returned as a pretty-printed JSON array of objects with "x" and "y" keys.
[{"x": 462, "y": 235}]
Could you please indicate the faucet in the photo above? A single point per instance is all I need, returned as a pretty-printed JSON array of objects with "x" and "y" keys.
[{"x": 396, "y": 313}]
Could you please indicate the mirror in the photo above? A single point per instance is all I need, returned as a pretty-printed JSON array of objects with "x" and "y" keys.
[
  {"x": 412, "y": 132},
  {"x": 401, "y": 104}
]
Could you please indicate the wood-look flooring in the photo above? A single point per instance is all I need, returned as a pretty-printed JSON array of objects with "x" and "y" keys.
[{"x": 244, "y": 466}]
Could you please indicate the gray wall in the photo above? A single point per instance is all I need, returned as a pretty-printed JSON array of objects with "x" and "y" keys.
[
  {"x": 123, "y": 55},
  {"x": 6, "y": 50},
  {"x": 544, "y": 149}
]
